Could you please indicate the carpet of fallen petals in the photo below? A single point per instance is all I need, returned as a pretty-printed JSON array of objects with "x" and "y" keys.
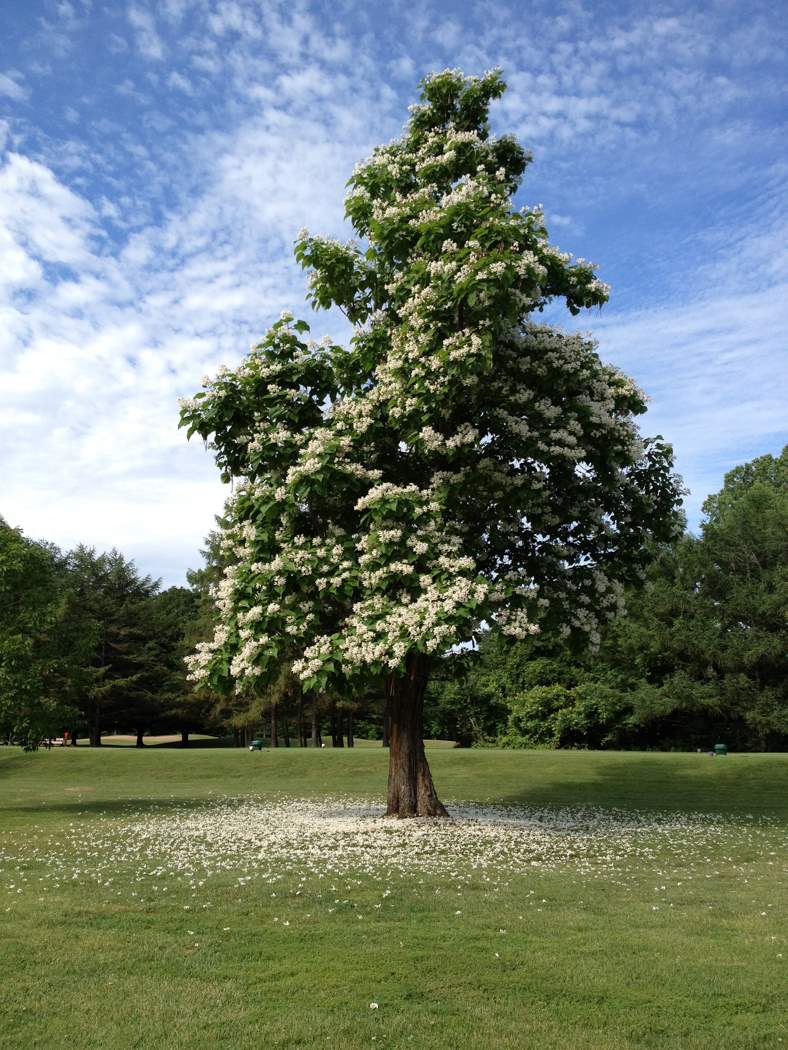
[{"x": 254, "y": 838}]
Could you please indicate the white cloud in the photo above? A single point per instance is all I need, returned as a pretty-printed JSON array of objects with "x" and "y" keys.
[
  {"x": 98, "y": 336},
  {"x": 11, "y": 88},
  {"x": 561, "y": 222},
  {"x": 100, "y": 346},
  {"x": 180, "y": 82},
  {"x": 43, "y": 217},
  {"x": 231, "y": 17},
  {"x": 149, "y": 42},
  {"x": 404, "y": 68},
  {"x": 716, "y": 370},
  {"x": 206, "y": 63},
  {"x": 117, "y": 44}
]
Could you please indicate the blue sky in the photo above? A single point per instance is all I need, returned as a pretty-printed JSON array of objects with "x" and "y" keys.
[{"x": 158, "y": 158}]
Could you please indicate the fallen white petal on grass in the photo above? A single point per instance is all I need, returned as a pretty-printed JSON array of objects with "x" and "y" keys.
[{"x": 330, "y": 838}]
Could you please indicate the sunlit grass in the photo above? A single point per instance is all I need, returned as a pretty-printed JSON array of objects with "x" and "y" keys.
[{"x": 189, "y": 899}]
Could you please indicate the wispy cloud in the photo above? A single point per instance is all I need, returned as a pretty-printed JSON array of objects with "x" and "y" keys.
[
  {"x": 151, "y": 240},
  {"x": 716, "y": 370},
  {"x": 12, "y": 87},
  {"x": 148, "y": 40}
]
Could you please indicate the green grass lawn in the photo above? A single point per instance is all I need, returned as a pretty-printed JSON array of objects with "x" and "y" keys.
[{"x": 114, "y": 937}]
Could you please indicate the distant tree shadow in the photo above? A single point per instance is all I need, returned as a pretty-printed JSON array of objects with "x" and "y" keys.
[{"x": 653, "y": 784}]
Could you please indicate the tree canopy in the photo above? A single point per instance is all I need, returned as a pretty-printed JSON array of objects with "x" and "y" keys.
[
  {"x": 456, "y": 462},
  {"x": 44, "y": 651}
]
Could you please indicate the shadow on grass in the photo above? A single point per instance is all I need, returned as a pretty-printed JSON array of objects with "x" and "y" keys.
[
  {"x": 196, "y": 745},
  {"x": 170, "y": 745},
  {"x": 615, "y": 785},
  {"x": 115, "y": 807},
  {"x": 12, "y": 758},
  {"x": 738, "y": 784},
  {"x": 737, "y": 787}
]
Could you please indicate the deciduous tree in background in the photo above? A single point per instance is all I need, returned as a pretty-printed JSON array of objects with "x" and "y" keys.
[
  {"x": 455, "y": 463},
  {"x": 44, "y": 651}
]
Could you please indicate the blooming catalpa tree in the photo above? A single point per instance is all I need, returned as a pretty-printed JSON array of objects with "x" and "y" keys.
[{"x": 455, "y": 463}]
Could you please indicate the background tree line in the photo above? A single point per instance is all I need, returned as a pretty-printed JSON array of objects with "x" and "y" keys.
[
  {"x": 701, "y": 654},
  {"x": 89, "y": 645}
]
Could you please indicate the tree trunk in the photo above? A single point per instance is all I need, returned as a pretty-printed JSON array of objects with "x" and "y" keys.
[
  {"x": 386, "y": 727},
  {"x": 95, "y": 729},
  {"x": 301, "y": 730},
  {"x": 184, "y": 738},
  {"x": 411, "y": 792},
  {"x": 286, "y": 731},
  {"x": 315, "y": 726},
  {"x": 73, "y": 739},
  {"x": 336, "y": 734},
  {"x": 350, "y": 741},
  {"x": 274, "y": 737},
  {"x": 140, "y": 741}
]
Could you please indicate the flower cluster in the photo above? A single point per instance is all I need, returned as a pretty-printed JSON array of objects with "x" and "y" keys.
[{"x": 456, "y": 463}]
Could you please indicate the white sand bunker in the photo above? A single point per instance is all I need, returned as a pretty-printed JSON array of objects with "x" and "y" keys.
[{"x": 339, "y": 836}]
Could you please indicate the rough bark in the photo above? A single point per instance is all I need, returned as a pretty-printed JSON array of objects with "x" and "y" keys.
[
  {"x": 336, "y": 728},
  {"x": 95, "y": 729},
  {"x": 411, "y": 792},
  {"x": 386, "y": 727}
]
